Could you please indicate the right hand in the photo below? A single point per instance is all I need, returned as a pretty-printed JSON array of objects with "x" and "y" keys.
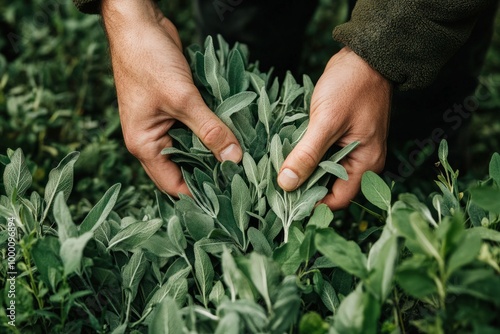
[{"x": 155, "y": 88}]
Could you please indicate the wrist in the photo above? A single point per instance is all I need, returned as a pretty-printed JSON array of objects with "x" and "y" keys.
[{"x": 119, "y": 15}]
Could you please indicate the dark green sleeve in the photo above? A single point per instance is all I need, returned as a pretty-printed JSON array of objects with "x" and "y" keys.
[
  {"x": 409, "y": 41},
  {"x": 88, "y": 6}
]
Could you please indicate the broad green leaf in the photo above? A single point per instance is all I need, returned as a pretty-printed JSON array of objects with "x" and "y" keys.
[
  {"x": 276, "y": 152},
  {"x": 219, "y": 85},
  {"x": 467, "y": 250},
  {"x": 376, "y": 190},
  {"x": 286, "y": 306},
  {"x": 307, "y": 248},
  {"x": 303, "y": 207},
  {"x": 263, "y": 273},
  {"x": 329, "y": 296},
  {"x": 346, "y": 254},
  {"x": 133, "y": 272},
  {"x": 166, "y": 319},
  {"x": 229, "y": 324},
  {"x": 198, "y": 225},
  {"x": 443, "y": 155},
  {"x": 236, "y": 74},
  {"x": 65, "y": 227},
  {"x": 175, "y": 288},
  {"x": 485, "y": 233},
  {"x": 234, "y": 104},
  {"x": 160, "y": 245},
  {"x": 264, "y": 109},
  {"x": 288, "y": 254},
  {"x": 494, "y": 168},
  {"x": 412, "y": 201},
  {"x": 322, "y": 217},
  {"x": 251, "y": 170},
  {"x": 382, "y": 263},
  {"x": 241, "y": 201},
  {"x": 135, "y": 234},
  {"x": 487, "y": 198},
  {"x": 212, "y": 197},
  {"x": 335, "y": 169},
  {"x": 71, "y": 252},
  {"x": 101, "y": 210},
  {"x": 251, "y": 313},
  {"x": 259, "y": 242},
  {"x": 256, "y": 81},
  {"x": 45, "y": 253},
  {"x": 308, "y": 90},
  {"x": 414, "y": 275},
  {"x": 16, "y": 176},
  {"x": 204, "y": 273},
  {"x": 275, "y": 201},
  {"x": 312, "y": 323},
  {"x": 358, "y": 313},
  {"x": 236, "y": 282},
  {"x": 217, "y": 294},
  {"x": 176, "y": 235},
  {"x": 60, "y": 179},
  {"x": 336, "y": 157}
]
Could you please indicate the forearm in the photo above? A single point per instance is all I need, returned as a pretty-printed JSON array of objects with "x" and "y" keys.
[{"x": 409, "y": 41}]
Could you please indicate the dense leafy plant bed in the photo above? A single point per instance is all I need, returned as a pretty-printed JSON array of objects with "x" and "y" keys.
[{"x": 241, "y": 255}]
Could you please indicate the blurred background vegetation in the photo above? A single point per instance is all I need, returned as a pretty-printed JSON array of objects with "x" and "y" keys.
[{"x": 57, "y": 93}]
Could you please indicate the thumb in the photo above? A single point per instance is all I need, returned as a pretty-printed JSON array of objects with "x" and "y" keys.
[
  {"x": 304, "y": 158},
  {"x": 214, "y": 134}
]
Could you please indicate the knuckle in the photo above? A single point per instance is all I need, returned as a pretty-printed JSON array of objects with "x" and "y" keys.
[
  {"x": 212, "y": 134},
  {"x": 307, "y": 158}
]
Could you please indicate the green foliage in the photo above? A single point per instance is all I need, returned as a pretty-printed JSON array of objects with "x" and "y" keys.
[{"x": 241, "y": 255}]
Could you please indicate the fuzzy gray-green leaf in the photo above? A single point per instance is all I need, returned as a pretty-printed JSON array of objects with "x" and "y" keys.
[
  {"x": 101, "y": 210},
  {"x": 16, "y": 175},
  {"x": 135, "y": 234}
]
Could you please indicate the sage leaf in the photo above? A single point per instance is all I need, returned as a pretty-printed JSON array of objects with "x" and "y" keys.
[
  {"x": 259, "y": 242},
  {"x": 167, "y": 319},
  {"x": 376, "y": 190},
  {"x": 264, "y": 110},
  {"x": 16, "y": 176},
  {"x": 45, "y": 253},
  {"x": 133, "y": 272},
  {"x": 494, "y": 168},
  {"x": 204, "y": 273},
  {"x": 241, "y": 201},
  {"x": 65, "y": 227},
  {"x": 335, "y": 169},
  {"x": 346, "y": 254},
  {"x": 101, "y": 210},
  {"x": 176, "y": 235},
  {"x": 357, "y": 313},
  {"x": 71, "y": 252},
  {"x": 60, "y": 179},
  {"x": 229, "y": 324},
  {"x": 135, "y": 234},
  {"x": 322, "y": 216},
  {"x": 234, "y": 104},
  {"x": 219, "y": 86},
  {"x": 236, "y": 74}
]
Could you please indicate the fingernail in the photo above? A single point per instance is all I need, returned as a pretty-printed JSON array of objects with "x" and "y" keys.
[
  {"x": 232, "y": 153},
  {"x": 288, "y": 180}
]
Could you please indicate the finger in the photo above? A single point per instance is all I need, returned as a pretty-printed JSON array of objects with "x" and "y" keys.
[
  {"x": 166, "y": 175},
  {"x": 214, "y": 134},
  {"x": 306, "y": 156},
  {"x": 343, "y": 192}
]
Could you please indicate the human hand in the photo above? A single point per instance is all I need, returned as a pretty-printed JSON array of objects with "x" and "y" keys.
[
  {"x": 155, "y": 88},
  {"x": 350, "y": 102}
]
